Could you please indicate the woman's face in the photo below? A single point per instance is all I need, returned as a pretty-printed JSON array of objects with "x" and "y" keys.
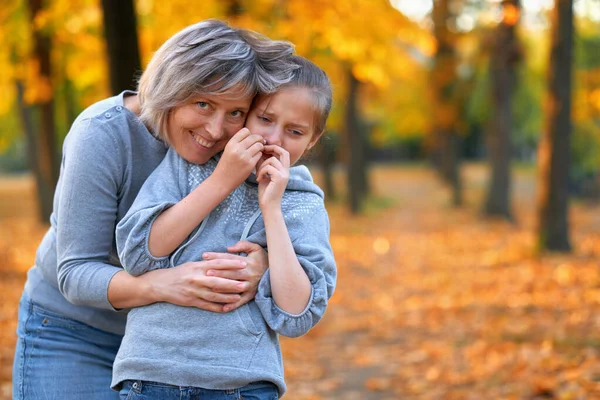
[
  {"x": 202, "y": 127},
  {"x": 285, "y": 119}
]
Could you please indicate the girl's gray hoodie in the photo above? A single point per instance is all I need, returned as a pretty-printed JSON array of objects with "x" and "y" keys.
[{"x": 186, "y": 346}]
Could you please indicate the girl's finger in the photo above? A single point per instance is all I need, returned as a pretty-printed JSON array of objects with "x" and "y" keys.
[
  {"x": 282, "y": 154},
  {"x": 244, "y": 246},
  {"x": 273, "y": 162},
  {"x": 266, "y": 170}
]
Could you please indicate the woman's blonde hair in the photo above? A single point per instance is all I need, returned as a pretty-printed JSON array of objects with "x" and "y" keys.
[{"x": 212, "y": 58}]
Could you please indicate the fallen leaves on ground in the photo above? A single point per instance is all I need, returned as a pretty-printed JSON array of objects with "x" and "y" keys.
[{"x": 431, "y": 303}]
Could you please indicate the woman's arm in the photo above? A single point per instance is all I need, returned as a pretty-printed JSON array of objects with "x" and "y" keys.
[
  {"x": 86, "y": 211},
  {"x": 221, "y": 284},
  {"x": 175, "y": 224}
]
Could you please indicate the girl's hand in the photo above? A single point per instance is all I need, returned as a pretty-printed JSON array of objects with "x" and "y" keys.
[
  {"x": 239, "y": 158},
  {"x": 272, "y": 177},
  {"x": 189, "y": 285},
  {"x": 257, "y": 263}
]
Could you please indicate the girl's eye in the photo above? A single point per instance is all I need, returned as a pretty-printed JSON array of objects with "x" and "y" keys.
[
  {"x": 202, "y": 104},
  {"x": 297, "y": 133},
  {"x": 263, "y": 118}
]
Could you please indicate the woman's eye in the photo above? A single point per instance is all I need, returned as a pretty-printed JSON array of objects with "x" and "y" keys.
[
  {"x": 202, "y": 104},
  {"x": 237, "y": 113}
]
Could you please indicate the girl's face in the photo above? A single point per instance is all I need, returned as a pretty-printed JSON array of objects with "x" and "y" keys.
[
  {"x": 285, "y": 119},
  {"x": 201, "y": 128}
]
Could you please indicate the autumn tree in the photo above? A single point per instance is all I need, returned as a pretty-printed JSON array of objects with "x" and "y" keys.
[
  {"x": 43, "y": 151},
  {"x": 444, "y": 79},
  {"x": 554, "y": 148},
  {"x": 120, "y": 30},
  {"x": 505, "y": 54}
]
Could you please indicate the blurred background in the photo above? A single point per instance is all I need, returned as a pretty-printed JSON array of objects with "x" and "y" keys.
[{"x": 461, "y": 167}]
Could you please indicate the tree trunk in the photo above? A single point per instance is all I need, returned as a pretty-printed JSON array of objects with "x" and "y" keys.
[
  {"x": 451, "y": 169},
  {"x": 120, "y": 30},
  {"x": 47, "y": 160},
  {"x": 554, "y": 150},
  {"x": 445, "y": 144},
  {"x": 27, "y": 121},
  {"x": 235, "y": 8},
  {"x": 326, "y": 160},
  {"x": 505, "y": 54},
  {"x": 355, "y": 145}
]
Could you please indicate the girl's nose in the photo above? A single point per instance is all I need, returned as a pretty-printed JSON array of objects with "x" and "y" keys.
[{"x": 274, "y": 137}]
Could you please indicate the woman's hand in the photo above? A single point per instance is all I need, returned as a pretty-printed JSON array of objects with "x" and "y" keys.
[
  {"x": 239, "y": 158},
  {"x": 272, "y": 177},
  {"x": 257, "y": 263},
  {"x": 189, "y": 284}
]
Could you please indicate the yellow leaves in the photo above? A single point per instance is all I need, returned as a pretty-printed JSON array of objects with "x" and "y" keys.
[
  {"x": 38, "y": 88},
  {"x": 372, "y": 73},
  {"x": 594, "y": 99}
]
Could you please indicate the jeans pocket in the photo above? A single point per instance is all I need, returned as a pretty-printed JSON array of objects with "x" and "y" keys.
[{"x": 50, "y": 318}]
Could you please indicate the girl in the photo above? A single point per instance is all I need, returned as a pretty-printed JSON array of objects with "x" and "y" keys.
[{"x": 173, "y": 352}]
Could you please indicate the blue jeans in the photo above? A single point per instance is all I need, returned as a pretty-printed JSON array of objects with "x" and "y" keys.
[
  {"x": 60, "y": 358},
  {"x": 141, "y": 390}
]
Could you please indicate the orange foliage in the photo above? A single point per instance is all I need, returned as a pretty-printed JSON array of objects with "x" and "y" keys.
[{"x": 431, "y": 302}]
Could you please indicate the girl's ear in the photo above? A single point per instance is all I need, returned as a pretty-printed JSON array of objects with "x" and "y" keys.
[{"x": 313, "y": 141}]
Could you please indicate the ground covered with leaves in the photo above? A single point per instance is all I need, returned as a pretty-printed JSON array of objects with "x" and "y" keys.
[{"x": 432, "y": 302}]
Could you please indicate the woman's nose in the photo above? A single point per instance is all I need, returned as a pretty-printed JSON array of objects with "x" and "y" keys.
[{"x": 214, "y": 126}]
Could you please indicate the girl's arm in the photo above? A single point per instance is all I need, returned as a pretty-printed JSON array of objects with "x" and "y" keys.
[
  {"x": 175, "y": 224},
  {"x": 289, "y": 283},
  {"x": 295, "y": 311}
]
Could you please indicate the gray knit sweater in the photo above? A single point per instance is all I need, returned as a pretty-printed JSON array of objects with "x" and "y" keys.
[{"x": 187, "y": 346}]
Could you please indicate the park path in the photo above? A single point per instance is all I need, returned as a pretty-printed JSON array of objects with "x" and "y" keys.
[{"x": 432, "y": 302}]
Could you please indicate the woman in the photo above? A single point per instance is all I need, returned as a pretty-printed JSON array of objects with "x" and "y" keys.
[{"x": 70, "y": 326}]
